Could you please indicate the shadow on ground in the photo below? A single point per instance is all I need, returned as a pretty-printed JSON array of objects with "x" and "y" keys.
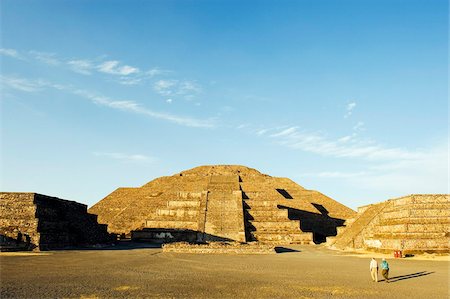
[
  {"x": 408, "y": 276},
  {"x": 285, "y": 250}
]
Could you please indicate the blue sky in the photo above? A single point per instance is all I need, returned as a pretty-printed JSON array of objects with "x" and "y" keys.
[{"x": 346, "y": 97}]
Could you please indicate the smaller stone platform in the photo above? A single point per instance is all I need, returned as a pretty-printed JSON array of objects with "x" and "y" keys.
[{"x": 219, "y": 248}]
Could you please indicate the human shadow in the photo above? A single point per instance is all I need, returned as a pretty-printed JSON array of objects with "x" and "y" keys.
[
  {"x": 408, "y": 276},
  {"x": 285, "y": 250}
]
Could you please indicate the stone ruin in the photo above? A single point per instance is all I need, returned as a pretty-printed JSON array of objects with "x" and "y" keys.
[
  {"x": 414, "y": 224},
  {"x": 222, "y": 203},
  {"x": 33, "y": 221}
]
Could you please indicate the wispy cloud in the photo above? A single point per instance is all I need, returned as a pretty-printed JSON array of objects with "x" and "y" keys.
[
  {"x": 189, "y": 87},
  {"x": 125, "y": 157},
  {"x": 132, "y": 106},
  {"x": 81, "y": 66},
  {"x": 113, "y": 67},
  {"x": 335, "y": 174},
  {"x": 48, "y": 58},
  {"x": 11, "y": 53},
  {"x": 359, "y": 127},
  {"x": 156, "y": 72},
  {"x": 124, "y": 105},
  {"x": 427, "y": 173},
  {"x": 165, "y": 87},
  {"x": 345, "y": 147},
  {"x": 22, "y": 84},
  {"x": 349, "y": 109},
  {"x": 186, "y": 89}
]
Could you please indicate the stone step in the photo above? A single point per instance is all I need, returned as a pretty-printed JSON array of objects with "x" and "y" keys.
[
  {"x": 426, "y": 199},
  {"x": 183, "y": 203},
  {"x": 412, "y": 228},
  {"x": 272, "y": 218},
  {"x": 415, "y": 220},
  {"x": 177, "y": 212},
  {"x": 253, "y": 204},
  {"x": 257, "y": 214},
  {"x": 275, "y": 225},
  {"x": 289, "y": 238},
  {"x": 431, "y": 245},
  {"x": 185, "y": 217},
  {"x": 172, "y": 224},
  {"x": 405, "y": 213},
  {"x": 407, "y": 235},
  {"x": 419, "y": 206}
]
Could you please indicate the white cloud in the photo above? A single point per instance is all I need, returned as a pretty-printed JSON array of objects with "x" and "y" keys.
[
  {"x": 428, "y": 173},
  {"x": 188, "y": 87},
  {"x": 113, "y": 67},
  {"x": 169, "y": 101},
  {"x": 81, "y": 66},
  {"x": 124, "y": 105},
  {"x": 125, "y": 157},
  {"x": 261, "y": 132},
  {"x": 165, "y": 87},
  {"x": 48, "y": 58},
  {"x": 317, "y": 143},
  {"x": 131, "y": 106},
  {"x": 349, "y": 109},
  {"x": 335, "y": 174},
  {"x": 156, "y": 72},
  {"x": 285, "y": 132},
  {"x": 346, "y": 138},
  {"x": 22, "y": 84},
  {"x": 11, "y": 53},
  {"x": 129, "y": 80},
  {"x": 359, "y": 127}
]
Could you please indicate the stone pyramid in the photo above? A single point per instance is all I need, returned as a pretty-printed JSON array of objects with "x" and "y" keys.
[
  {"x": 222, "y": 202},
  {"x": 414, "y": 224}
]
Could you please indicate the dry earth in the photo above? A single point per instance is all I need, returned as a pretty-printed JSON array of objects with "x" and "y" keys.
[{"x": 298, "y": 272}]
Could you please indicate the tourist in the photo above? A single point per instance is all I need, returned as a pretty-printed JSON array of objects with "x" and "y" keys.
[
  {"x": 374, "y": 270},
  {"x": 385, "y": 270}
]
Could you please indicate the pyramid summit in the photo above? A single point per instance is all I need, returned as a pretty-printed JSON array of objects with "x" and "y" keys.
[{"x": 222, "y": 202}]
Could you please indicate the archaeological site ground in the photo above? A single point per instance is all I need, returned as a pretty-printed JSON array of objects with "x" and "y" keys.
[{"x": 221, "y": 231}]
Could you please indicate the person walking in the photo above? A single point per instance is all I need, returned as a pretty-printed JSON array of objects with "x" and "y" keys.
[
  {"x": 385, "y": 269},
  {"x": 374, "y": 270}
]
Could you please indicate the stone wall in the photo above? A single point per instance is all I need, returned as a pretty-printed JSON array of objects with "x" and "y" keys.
[
  {"x": 35, "y": 221},
  {"x": 18, "y": 222},
  {"x": 413, "y": 223}
]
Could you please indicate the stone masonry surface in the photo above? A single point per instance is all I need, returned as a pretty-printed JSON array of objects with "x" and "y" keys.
[
  {"x": 34, "y": 221},
  {"x": 222, "y": 203}
]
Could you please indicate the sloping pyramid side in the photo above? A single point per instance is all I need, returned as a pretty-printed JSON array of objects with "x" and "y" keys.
[
  {"x": 231, "y": 202},
  {"x": 413, "y": 223}
]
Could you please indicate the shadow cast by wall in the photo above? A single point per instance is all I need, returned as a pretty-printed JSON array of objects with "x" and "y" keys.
[
  {"x": 321, "y": 225},
  {"x": 285, "y": 250},
  {"x": 21, "y": 243}
]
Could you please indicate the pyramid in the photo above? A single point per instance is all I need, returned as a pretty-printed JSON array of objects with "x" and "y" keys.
[
  {"x": 415, "y": 223},
  {"x": 222, "y": 203}
]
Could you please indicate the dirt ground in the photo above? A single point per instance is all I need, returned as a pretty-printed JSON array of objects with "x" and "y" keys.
[{"x": 295, "y": 272}]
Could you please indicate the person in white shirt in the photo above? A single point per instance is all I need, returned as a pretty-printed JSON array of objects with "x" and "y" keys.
[{"x": 374, "y": 270}]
